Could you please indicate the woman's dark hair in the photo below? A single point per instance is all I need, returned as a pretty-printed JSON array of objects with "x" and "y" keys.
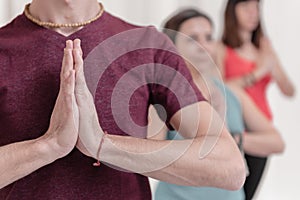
[
  {"x": 172, "y": 26},
  {"x": 231, "y": 36}
]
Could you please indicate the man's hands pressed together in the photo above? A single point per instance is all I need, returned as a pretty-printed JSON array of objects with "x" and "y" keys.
[
  {"x": 74, "y": 122},
  {"x": 63, "y": 130},
  {"x": 89, "y": 130}
]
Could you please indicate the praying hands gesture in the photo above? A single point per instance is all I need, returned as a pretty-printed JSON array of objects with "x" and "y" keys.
[
  {"x": 74, "y": 122},
  {"x": 136, "y": 155},
  {"x": 90, "y": 132}
]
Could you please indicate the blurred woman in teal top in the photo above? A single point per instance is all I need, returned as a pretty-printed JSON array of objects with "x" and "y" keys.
[
  {"x": 235, "y": 124},
  {"x": 191, "y": 31}
]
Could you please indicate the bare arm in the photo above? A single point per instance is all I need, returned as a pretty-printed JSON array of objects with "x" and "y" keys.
[
  {"x": 265, "y": 63},
  {"x": 282, "y": 80},
  {"x": 220, "y": 57},
  {"x": 251, "y": 78},
  {"x": 268, "y": 63},
  {"x": 156, "y": 130},
  {"x": 237, "y": 81},
  {"x": 20, "y": 159},
  {"x": 262, "y": 139},
  {"x": 207, "y": 157},
  {"x": 278, "y": 74}
]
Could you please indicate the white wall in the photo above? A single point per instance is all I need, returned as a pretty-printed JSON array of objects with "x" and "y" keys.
[
  {"x": 283, "y": 28},
  {"x": 281, "y": 19}
]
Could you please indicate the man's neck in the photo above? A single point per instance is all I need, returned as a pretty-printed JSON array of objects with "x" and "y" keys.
[{"x": 64, "y": 12}]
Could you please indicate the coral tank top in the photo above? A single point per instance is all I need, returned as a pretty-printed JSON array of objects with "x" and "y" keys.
[{"x": 236, "y": 66}]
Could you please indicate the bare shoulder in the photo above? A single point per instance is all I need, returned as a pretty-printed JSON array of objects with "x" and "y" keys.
[
  {"x": 220, "y": 55},
  {"x": 266, "y": 44}
]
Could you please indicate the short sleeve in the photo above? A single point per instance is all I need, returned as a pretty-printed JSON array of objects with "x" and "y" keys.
[{"x": 173, "y": 87}]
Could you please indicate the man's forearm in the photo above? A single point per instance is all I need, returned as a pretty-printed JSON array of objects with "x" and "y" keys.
[
  {"x": 208, "y": 156},
  {"x": 20, "y": 159},
  {"x": 177, "y": 161}
]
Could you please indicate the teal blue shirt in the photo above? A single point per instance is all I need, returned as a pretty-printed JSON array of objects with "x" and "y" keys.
[{"x": 235, "y": 125}]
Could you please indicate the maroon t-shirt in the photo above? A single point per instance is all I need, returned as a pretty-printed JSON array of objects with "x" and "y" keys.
[{"x": 124, "y": 79}]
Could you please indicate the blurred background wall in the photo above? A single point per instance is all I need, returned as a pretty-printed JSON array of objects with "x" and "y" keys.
[{"x": 282, "y": 25}]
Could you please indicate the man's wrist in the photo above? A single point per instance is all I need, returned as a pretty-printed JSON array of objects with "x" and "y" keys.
[
  {"x": 46, "y": 149},
  {"x": 50, "y": 147}
]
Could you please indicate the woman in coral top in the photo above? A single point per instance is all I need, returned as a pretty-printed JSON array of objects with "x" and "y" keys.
[{"x": 247, "y": 59}]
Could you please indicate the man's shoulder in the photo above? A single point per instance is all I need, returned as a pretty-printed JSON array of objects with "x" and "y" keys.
[
  {"x": 13, "y": 28},
  {"x": 11, "y": 23},
  {"x": 116, "y": 20},
  {"x": 123, "y": 25},
  {"x": 130, "y": 34}
]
